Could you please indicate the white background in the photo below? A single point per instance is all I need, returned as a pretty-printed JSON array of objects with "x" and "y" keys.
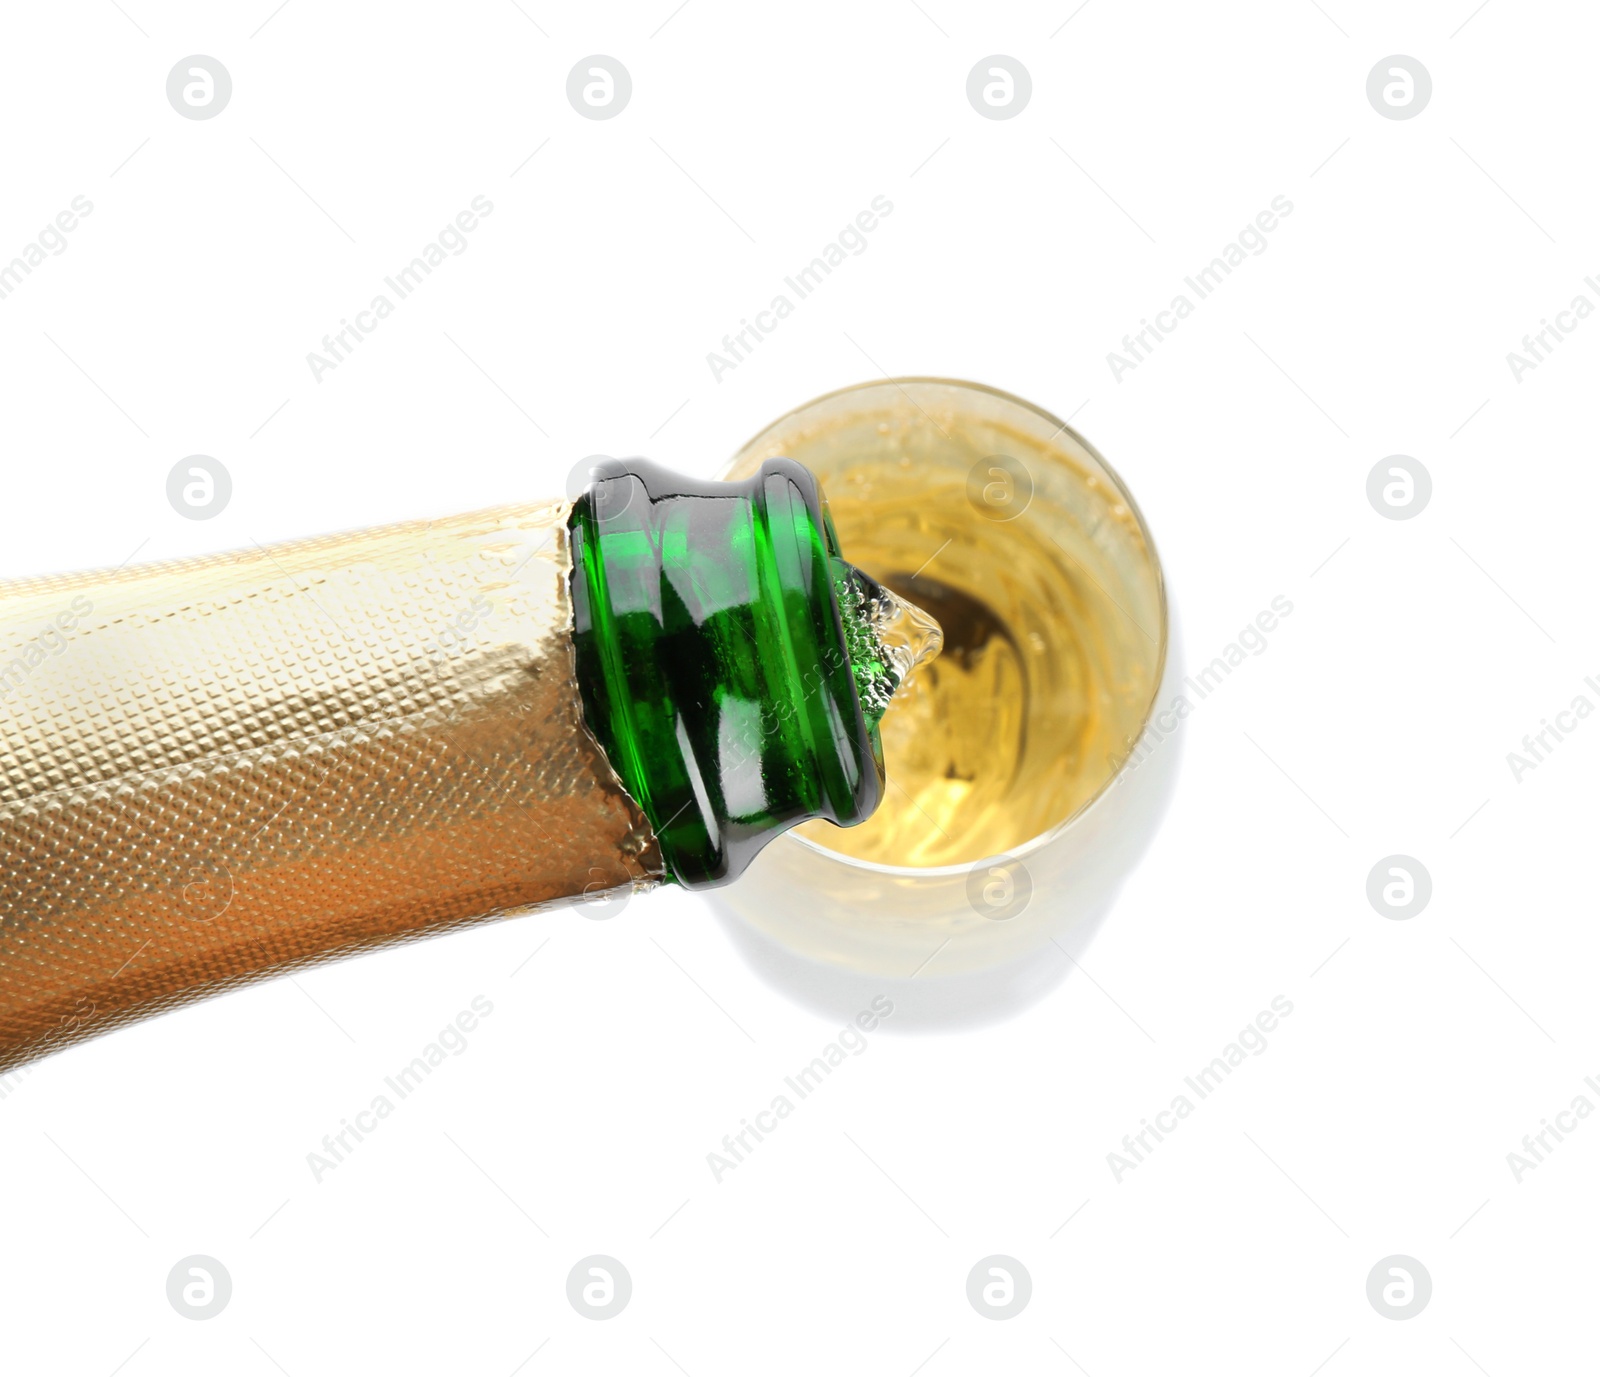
[{"x": 1018, "y": 253}]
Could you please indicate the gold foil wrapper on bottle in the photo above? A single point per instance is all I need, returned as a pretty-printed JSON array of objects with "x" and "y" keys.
[{"x": 220, "y": 769}]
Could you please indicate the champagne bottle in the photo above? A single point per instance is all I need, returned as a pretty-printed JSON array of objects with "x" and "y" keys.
[{"x": 221, "y": 769}]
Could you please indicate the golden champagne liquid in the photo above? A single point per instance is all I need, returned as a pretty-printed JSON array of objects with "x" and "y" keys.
[{"x": 1012, "y": 533}]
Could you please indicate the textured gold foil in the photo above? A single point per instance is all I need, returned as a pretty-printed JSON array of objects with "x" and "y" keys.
[{"x": 221, "y": 769}]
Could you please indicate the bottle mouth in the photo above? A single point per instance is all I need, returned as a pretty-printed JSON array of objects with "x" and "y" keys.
[{"x": 727, "y": 658}]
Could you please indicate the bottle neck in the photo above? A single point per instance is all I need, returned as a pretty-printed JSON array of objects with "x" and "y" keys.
[{"x": 720, "y": 657}]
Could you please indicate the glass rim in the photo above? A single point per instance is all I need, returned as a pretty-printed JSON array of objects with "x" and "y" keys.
[{"x": 1039, "y": 840}]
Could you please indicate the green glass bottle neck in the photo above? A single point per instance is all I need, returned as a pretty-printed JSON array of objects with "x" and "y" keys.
[{"x": 725, "y": 659}]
